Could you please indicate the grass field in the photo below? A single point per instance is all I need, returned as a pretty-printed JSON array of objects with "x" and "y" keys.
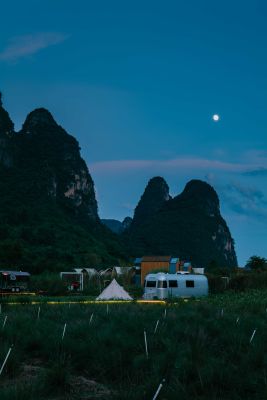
[{"x": 201, "y": 348}]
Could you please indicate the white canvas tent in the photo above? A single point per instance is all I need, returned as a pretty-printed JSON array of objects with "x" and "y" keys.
[
  {"x": 91, "y": 272},
  {"x": 119, "y": 271},
  {"x": 78, "y": 270},
  {"x": 114, "y": 292}
]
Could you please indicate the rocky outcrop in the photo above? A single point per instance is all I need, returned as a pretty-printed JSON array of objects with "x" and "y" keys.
[
  {"x": 48, "y": 208},
  {"x": 117, "y": 226},
  {"x": 154, "y": 197},
  {"x": 189, "y": 226},
  {"x": 113, "y": 224},
  {"x": 126, "y": 223},
  {"x": 6, "y": 133},
  {"x": 6, "y": 125},
  {"x": 55, "y": 156},
  {"x": 44, "y": 152},
  {"x": 203, "y": 195}
]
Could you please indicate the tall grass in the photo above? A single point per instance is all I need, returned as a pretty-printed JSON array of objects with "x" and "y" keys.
[{"x": 202, "y": 353}]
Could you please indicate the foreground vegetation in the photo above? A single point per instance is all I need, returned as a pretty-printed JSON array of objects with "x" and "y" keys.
[{"x": 201, "y": 348}]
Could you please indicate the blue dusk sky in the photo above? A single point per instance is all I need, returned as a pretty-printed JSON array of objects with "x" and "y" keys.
[{"x": 137, "y": 83}]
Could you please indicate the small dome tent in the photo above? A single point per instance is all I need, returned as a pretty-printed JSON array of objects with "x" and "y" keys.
[{"x": 114, "y": 292}]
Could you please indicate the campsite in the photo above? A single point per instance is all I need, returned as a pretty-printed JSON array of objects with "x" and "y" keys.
[
  {"x": 133, "y": 200},
  {"x": 97, "y": 350}
]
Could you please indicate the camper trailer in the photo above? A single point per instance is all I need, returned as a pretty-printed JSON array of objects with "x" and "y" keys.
[
  {"x": 14, "y": 281},
  {"x": 164, "y": 286}
]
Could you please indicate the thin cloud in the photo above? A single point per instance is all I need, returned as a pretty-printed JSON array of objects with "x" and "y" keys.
[
  {"x": 257, "y": 172},
  {"x": 245, "y": 200},
  {"x": 191, "y": 163},
  {"x": 26, "y": 45},
  {"x": 247, "y": 192}
]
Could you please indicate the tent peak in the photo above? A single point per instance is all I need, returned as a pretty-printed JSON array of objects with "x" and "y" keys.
[{"x": 114, "y": 291}]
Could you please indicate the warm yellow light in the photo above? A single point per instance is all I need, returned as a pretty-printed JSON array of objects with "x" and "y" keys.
[{"x": 89, "y": 302}]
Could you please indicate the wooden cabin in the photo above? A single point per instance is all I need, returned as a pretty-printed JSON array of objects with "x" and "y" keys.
[
  {"x": 154, "y": 263},
  {"x": 150, "y": 264}
]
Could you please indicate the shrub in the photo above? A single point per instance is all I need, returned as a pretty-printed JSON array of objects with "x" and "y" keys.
[{"x": 48, "y": 283}]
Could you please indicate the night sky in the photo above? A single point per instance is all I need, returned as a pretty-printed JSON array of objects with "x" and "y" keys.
[{"x": 137, "y": 83}]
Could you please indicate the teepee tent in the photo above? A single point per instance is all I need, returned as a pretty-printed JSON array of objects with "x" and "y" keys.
[{"x": 114, "y": 292}]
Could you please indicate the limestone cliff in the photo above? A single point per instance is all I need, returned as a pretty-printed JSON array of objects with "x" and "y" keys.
[
  {"x": 6, "y": 133},
  {"x": 117, "y": 226},
  {"x": 155, "y": 195},
  {"x": 189, "y": 226},
  {"x": 56, "y": 158},
  {"x": 48, "y": 208}
]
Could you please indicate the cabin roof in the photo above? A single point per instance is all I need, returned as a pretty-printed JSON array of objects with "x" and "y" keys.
[{"x": 156, "y": 259}]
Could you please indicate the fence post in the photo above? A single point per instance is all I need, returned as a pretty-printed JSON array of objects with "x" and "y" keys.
[
  {"x": 145, "y": 344},
  {"x": 252, "y": 336},
  {"x": 156, "y": 327},
  {"x": 4, "y": 323},
  {"x": 158, "y": 390},
  {"x": 5, "y": 360},
  {"x": 64, "y": 330}
]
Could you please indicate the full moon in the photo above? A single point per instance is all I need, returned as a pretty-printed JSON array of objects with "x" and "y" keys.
[{"x": 216, "y": 117}]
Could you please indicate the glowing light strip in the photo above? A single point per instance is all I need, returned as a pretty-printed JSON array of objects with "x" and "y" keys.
[
  {"x": 18, "y": 294},
  {"x": 89, "y": 302}
]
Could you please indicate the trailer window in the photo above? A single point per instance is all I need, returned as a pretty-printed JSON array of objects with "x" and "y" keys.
[
  {"x": 150, "y": 283},
  {"x": 190, "y": 283},
  {"x": 162, "y": 284},
  {"x": 173, "y": 283},
  {"x": 22, "y": 278}
]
